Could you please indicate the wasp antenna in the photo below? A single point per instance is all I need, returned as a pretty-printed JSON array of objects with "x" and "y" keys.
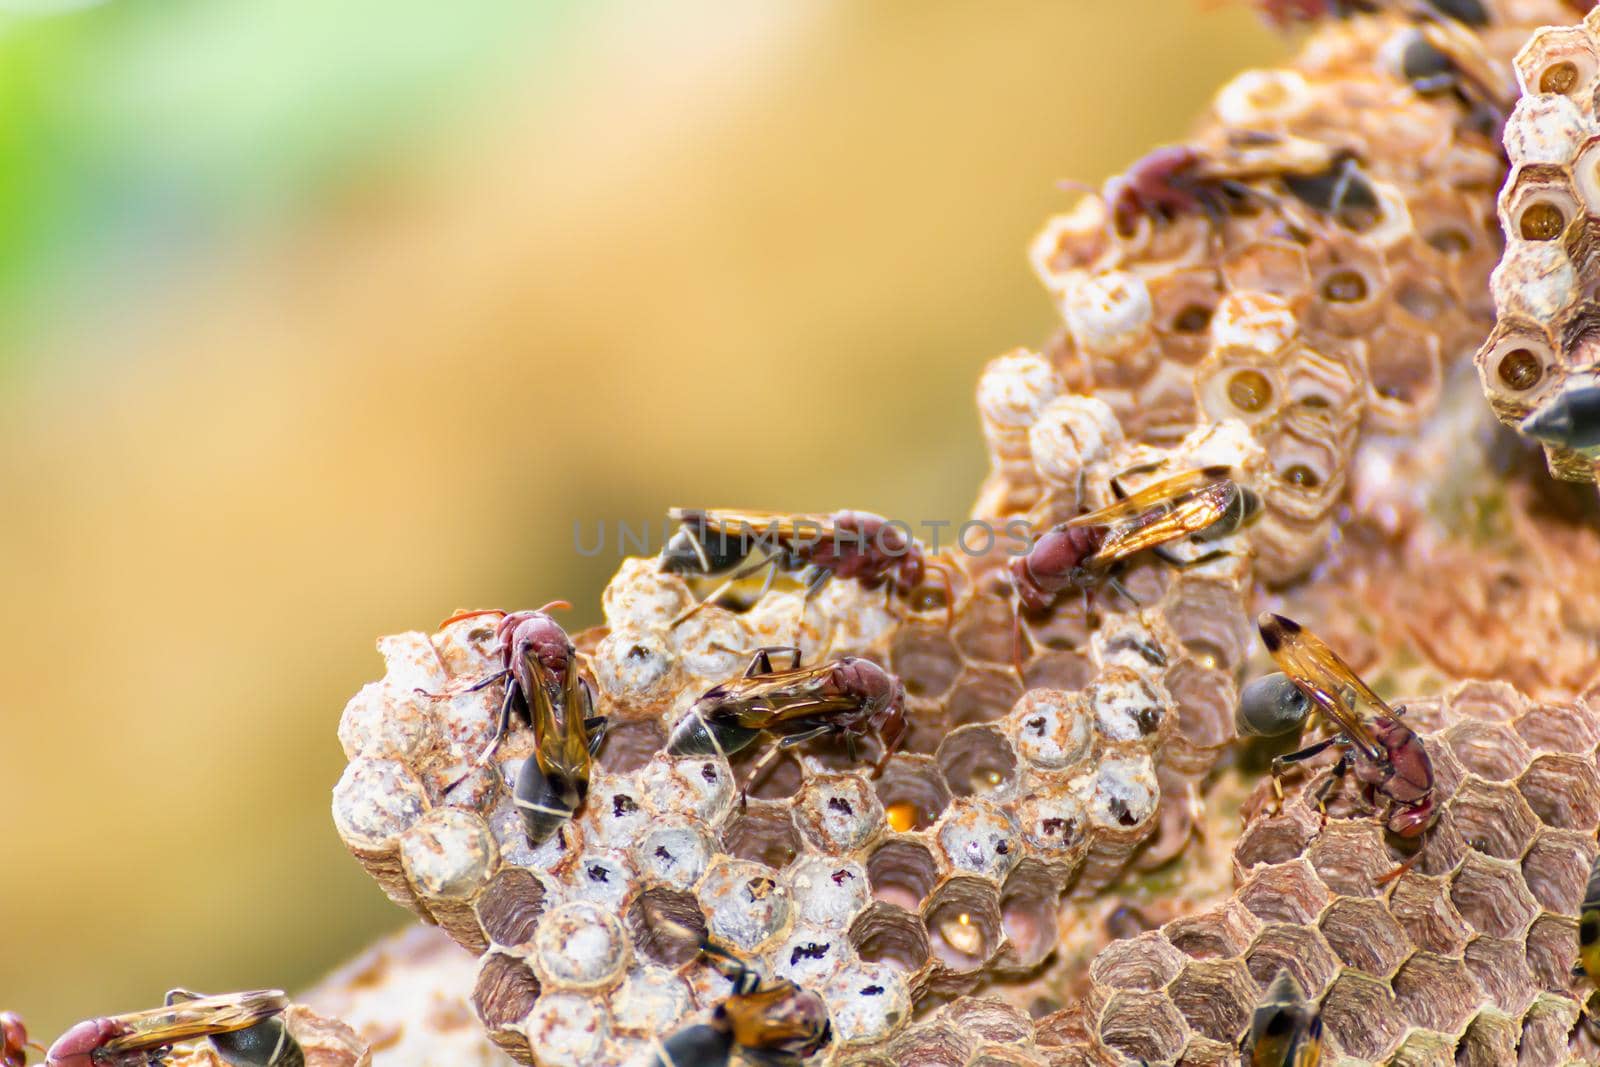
[
  {"x": 458, "y": 616},
  {"x": 557, "y": 605},
  {"x": 1073, "y": 185}
]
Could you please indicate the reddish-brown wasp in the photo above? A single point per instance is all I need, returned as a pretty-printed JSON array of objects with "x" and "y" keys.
[
  {"x": 776, "y": 1024},
  {"x": 1199, "y": 505},
  {"x": 143, "y": 1037},
  {"x": 543, "y": 685},
  {"x": 734, "y": 545},
  {"x": 849, "y": 696},
  {"x": 14, "y": 1043},
  {"x": 1386, "y": 755}
]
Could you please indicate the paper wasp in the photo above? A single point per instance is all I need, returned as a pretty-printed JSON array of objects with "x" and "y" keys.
[
  {"x": 1386, "y": 755},
  {"x": 233, "y": 1022},
  {"x": 849, "y": 696},
  {"x": 775, "y": 1024},
  {"x": 1286, "y": 1030},
  {"x": 14, "y": 1043},
  {"x": 543, "y": 685},
  {"x": 734, "y": 545},
  {"x": 1199, "y": 505}
]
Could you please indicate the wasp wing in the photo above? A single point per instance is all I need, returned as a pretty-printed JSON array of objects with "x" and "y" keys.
[
  {"x": 193, "y": 1019},
  {"x": 1326, "y": 679},
  {"x": 1152, "y": 497},
  {"x": 768, "y": 700},
  {"x": 1165, "y": 522},
  {"x": 763, "y": 525}
]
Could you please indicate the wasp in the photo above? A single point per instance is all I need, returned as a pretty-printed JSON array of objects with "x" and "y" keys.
[
  {"x": 734, "y": 545},
  {"x": 145, "y": 1037},
  {"x": 1386, "y": 755},
  {"x": 776, "y": 1024},
  {"x": 543, "y": 685},
  {"x": 1286, "y": 1030},
  {"x": 849, "y": 696},
  {"x": 1570, "y": 419},
  {"x": 1200, "y": 505},
  {"x": 14, "y": 1043}
]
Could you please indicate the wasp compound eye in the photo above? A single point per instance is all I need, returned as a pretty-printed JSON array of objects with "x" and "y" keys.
[{"x": 1271, "y": 706}]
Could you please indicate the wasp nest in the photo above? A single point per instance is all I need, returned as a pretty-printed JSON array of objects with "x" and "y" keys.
[
  {"x": 1539, "y": 367},
  {"x": 1297, "y": 322}
]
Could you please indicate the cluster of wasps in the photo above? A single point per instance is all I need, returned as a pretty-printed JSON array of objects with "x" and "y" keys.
[
  {"x": 1437, "y": 57},
  {"x": 244, "y": 1029}
]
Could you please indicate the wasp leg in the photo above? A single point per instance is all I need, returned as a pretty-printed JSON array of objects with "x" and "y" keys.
[
  {"x": 762, "y": 662},
  {"x": 1117, "y": 587},
  {"x": 503, "y": 728},
  {"x": 772, "y": 753},
  {"x": 1281, "y": 763},
  {"x": 595, "y": 727},
  {"x": 1165, "y": 555},
  {"x": 1336, "y": 775},
  {"x": 482, "y": 683},
  {"x": 733, "y": 579},
  {"x": 744, "y": 979}
]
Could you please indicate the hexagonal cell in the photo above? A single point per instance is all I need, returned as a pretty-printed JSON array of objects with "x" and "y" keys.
[
  {"x": 1216, "y": 997},
  {"x": 1145, "y": 962},
  {"x": 1560, "y": 728},
  {"x": 925, "y": 659},
  {"x": 1052, "y": 728},
  {"x": 1143, "y": 1026},
  {"x": 983, "y": 633},
  {"x": 581, "y": 945},
  {"x": 1489, "y": 750},
  {"x": 664, "y": 925},
  {"x": 1300, "y": 950},
  {"x": 1205, "y": 700},
  {"x": 510, "y": 907},
  {"x": 839, "y": 813},
  {"x": 1183, "y": 302},
  {"x": 890, "y": 935},
  {"x": 1489, "y": 701},
  {"x": 1552, "y": 946},
  {"x": 1364, "y": 935},
  {"x": 505, "y": 990},
  {"x": 935, "y": 1044},
  {"x": 1276, "y": 839},
  {"x": 1058, "y": 670},
  {"x": 1490, "y": 896},
  {"x": 1216, "y": 934},
  {"x": 1404, "y": 373},
  {"x": 1435, "y": 992},
  {"x": 977, "y": 760},
  {"x": 1028, "y": 908},
  {"x": 1290, "y": 893},
  {"x": 1493, "y": 819},
  {"x": 982, "y": 695},
  {"x": 614, "y": 815},
  {"x": 1500, "y": 969},
  {"x": 1563, "y": 791},
  {"x": 778, "y": 780},
  {"x": 1539, "y": 202},
  {"x": 763, "y": 832},
  {"x": 629, "y": 744},
  {"x": 1239, "y": 385},
  {"x": 963, "y": 923},
  {"x": 1275, "y": 267},
  {"x": 1556, "y": 60},
  {"x": 990, "y": 1020},
  {"x": 1352, "y": 285},
  {"x": 1490, "y": 1040},
  {"x": 1360, "y": 1013},
  {"x": 1307, "y": 474},
  {"x": 913, "y": 793},
  {"x": 1544, "y": 1031},
  {"x": 1054, "y": 825},
  {"x": 1422, "y": 907},
  {"x": 743, "y": 902},
  {"x": 567, "y": 1029},
  {"x": 1349, "y": 857},
  {"x": 1518, "y": 367},
  {"x": 1556, "y": 869},
  {"x": 1126, "y": 707},
  {"x": 902, "y": 872}
]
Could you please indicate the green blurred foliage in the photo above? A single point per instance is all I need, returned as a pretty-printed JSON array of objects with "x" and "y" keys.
[{"x": 321, "y": 320}]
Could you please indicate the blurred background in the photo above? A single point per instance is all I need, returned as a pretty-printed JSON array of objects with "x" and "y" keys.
[{"x": 318, "y": 321}]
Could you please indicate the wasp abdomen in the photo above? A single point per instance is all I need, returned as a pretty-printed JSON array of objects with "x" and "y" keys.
[
  {"x": 693, "y": 737},
  {"x": 695, "y": 1046}
]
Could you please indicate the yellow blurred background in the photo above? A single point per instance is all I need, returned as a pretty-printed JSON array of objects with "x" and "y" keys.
[{"x": 320, "y": 320}]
